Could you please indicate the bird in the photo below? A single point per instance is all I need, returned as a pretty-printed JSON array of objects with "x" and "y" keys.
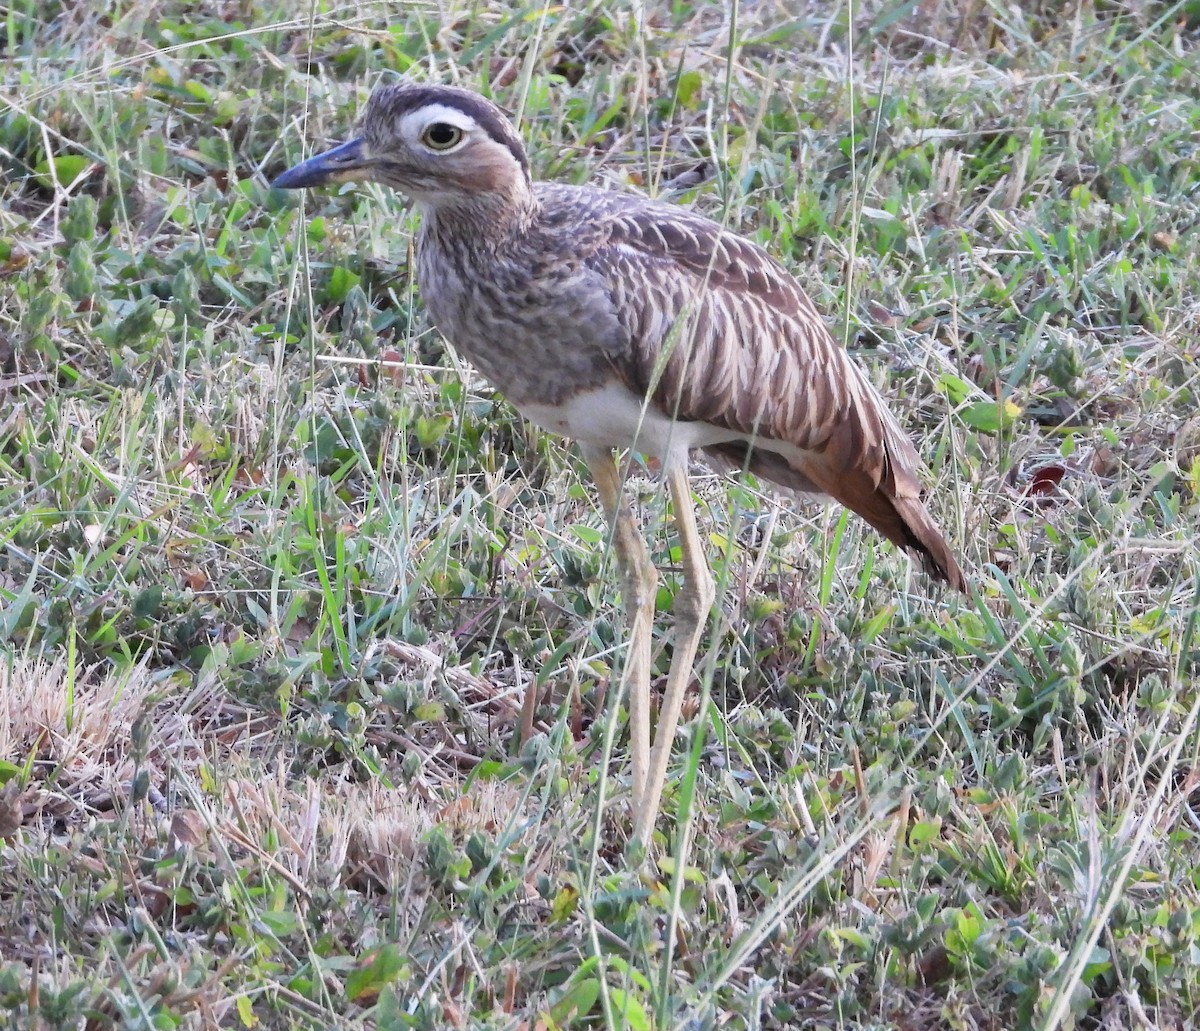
[{"x": 629, "y": 324}]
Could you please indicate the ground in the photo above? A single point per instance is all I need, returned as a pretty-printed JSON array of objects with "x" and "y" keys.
[{"x": 278, "y": 570}]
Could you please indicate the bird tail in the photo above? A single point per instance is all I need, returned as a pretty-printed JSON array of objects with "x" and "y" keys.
[
  {"x": 899, "y": 515},
  {"x": 881, "y": 484},
  {"x": 890, "y": 502}
]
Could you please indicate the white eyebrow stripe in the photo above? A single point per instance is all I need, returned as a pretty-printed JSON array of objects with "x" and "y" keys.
[{"x": 413, "y": 122}]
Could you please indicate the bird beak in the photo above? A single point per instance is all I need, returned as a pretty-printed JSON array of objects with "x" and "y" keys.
[{"x": 349, "y": 161}]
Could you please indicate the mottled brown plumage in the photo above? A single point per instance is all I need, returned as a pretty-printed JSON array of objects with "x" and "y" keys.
[{"x": 627, "y": 323}]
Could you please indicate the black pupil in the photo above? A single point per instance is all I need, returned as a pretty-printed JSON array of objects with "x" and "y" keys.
[{"x": 442, "y": 135}]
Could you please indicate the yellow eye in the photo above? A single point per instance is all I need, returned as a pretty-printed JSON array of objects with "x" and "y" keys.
[{"x": 441, "y": 136}]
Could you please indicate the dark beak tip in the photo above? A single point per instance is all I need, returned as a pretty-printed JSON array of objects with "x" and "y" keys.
[{"x": 292, "y": 179}]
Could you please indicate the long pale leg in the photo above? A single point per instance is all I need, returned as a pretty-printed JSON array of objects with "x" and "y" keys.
[
  {"x": 692, "y": 606},
  {"x": 640, "y": 588}
]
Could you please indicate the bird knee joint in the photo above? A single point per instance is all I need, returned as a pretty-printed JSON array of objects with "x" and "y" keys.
[{"x": 694, "y": 602}]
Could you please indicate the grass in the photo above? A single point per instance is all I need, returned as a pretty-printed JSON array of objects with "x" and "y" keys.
[{"x": 277, "y": 569}]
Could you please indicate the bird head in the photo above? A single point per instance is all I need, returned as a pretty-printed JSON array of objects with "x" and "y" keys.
[{"x": 439, "y": 145}]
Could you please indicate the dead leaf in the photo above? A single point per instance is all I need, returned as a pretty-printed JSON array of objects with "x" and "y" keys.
[
  {"x": 1045, "y": 480},
  {"x": 249, "y": 474},
  {"x": 196, "y": 579},
  {"x": 393, "y": 364},
  {"x": 18, "y": 258},
  {"x": 1163, "y": 241},
  {"x": 510, "y": 990},
  {"x": 187, "y": 828},
  {"x": 453, "y": 1013},
  {"x": 881, "y": 315},
  {"x": 12, "y": 813}
]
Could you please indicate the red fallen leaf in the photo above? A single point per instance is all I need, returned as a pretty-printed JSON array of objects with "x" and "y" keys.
[
  {"x": 11, "y": 810},
  {"x": 193, "y": 455},
  {"x": 364, "y": 377},
  {"x": 249, "y": 475},
  {"x": 154, "y": 899},
  {"x": 393, "y": 365},
  {"x": 1164, "y": 241},
  {"x": 881, "y": 315},
  {"x": 510, "y": 991},
  {"x": 504, "y": 73},
  {"x": 299, "y": 632},
  {"x": 1045, "y": 480},
  {"x": 453, "y": 1013},
  {"x": 196, "y": 579},
  {"x": 1105, "y": 462},
  {"x": 1004, "y": 559},
  {"x": 187, "y": 828},
  {"x": 453, "y": 810}
]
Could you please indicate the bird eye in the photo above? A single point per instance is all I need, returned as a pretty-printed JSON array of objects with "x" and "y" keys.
[{"x": 441, "y": 136}]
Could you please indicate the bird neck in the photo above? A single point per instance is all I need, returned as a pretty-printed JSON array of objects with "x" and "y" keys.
[{"x": 480, "y": 217}]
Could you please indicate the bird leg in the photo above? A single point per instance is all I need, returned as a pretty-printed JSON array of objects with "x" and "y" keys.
[
  {"x": 692, "y": 606},
  {"x": 640, "y": 588}
]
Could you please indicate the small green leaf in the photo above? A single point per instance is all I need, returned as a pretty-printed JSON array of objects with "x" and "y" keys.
[
  {"x": 429, "y": 712},
  {"x": 958, "y": 390},
  {"x": 226, "y": 108},
  {"x": 690, "y": 873},
  {"x": 969, "y": 925},
  {"x": 280, "y": 922},
  {"x": 590, "y": 535},
  {"x": 926, "y": 907},
  {"x": 389, "y": 1015},
  {"x": 877, "y": 624},
  {"x": 430, "y": 430},
  {"x": 137, "y": 322},
  {"x": 924, "y": 831},
  {"x": 688, "y": 90},
  {"x": 986, "y": 416},
  {"x": 198, "y": 90},
  {"x": 383, "y": 966},
  {"x": 565, "y": 903},
  {"x": 578, "y": 1001},
  {"x": 341, "y": 282},
  {"x": 630, "y": 1011},
  {"x": 66, "y": 169},
  {"x": 245, "y": 1011},
  {"x": 491, "y": 769},
  {"x": 852, "y": 935},
  {"x": 989, "y": 416},
  {"x": 148, "y": 603}
]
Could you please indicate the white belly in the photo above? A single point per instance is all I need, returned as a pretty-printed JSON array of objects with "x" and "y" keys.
[{"x": 615, "y": 417}]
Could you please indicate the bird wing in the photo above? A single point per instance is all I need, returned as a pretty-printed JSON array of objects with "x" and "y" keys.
[{"x": 721, "y": 332}]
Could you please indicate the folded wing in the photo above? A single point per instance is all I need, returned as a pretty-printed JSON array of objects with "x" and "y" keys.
[{"x": 724, "y": 334}]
